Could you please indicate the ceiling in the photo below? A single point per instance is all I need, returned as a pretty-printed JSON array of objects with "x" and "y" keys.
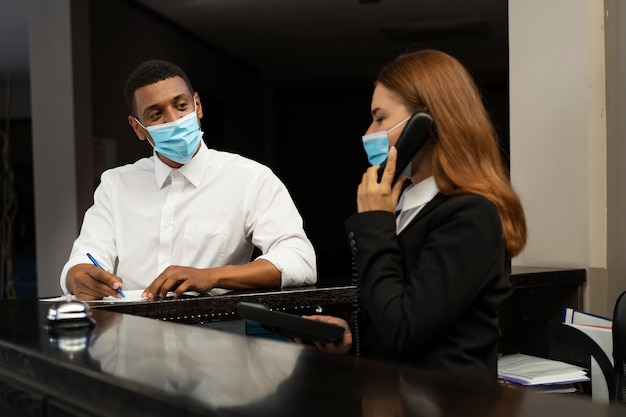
[{"x": 302, "y": 39}]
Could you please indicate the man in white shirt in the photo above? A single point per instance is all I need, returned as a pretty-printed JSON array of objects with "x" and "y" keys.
[{"x": 189, "y": 217}]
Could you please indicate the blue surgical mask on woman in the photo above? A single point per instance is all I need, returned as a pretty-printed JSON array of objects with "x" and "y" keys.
[
  {"x": 376, "y": 144},
  {"x": 177, "y": 140}
]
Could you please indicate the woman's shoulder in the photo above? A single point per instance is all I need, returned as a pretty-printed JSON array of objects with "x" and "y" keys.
[
  {"x": 465, "y": 199},
  {"x": 474, "y": 204}
]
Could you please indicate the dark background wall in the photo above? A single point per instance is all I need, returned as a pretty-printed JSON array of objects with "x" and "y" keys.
[
  {"x": 308, "y": 131},
  {"x": 123, "y": 35}
]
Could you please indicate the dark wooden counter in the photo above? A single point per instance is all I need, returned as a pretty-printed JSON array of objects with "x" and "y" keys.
[
  {"x": 137, "y": 366},
  {"x": 317, "y": 299},
  {"x": 534, "y": 276},
  {"x": 539, "y": 294},
  {"x": 204, "y": 308}
]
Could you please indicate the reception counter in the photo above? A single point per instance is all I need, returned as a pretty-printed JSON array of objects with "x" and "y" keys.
[
  {"x": 136, "y": 366},
  {"x": 205, "y": 309},
  {"x": 150, "y": 359},
  {"x": 539, "y": 293}
]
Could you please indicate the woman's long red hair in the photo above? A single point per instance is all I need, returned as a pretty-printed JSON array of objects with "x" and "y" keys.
[{"x": 466, "y": 155}]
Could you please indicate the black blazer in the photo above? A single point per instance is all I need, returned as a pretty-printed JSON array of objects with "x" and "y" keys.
[{"x": 430, "y": 295}]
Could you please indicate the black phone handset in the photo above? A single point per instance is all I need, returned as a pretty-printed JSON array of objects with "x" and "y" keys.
[{"x": 414, "y": 135}]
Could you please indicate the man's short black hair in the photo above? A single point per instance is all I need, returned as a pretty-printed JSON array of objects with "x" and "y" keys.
[{"x": 150, "y": 72}]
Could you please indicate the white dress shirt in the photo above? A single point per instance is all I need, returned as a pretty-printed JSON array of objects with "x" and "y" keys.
[
  {"x": 412, "y": 200},
  {"x": 210, "y": 212}
]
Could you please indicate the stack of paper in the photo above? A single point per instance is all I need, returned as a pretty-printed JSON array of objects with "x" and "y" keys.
[{"x": 531, "y": 370}]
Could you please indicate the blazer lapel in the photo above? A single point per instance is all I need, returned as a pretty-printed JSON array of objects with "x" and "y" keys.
[{"x": 436, "y": 201}]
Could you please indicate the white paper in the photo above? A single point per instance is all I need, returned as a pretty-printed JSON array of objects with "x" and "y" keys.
[
  {"x": 532, "y": 370},
  {"x": 131, "y": 296},
  {"x": 599, "y": 387}
]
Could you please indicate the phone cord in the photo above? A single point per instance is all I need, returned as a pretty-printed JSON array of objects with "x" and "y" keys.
[{"x": 356, "y": 311}]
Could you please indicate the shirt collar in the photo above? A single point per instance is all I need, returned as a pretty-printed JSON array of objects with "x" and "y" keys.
[
  {"x": 417, "y": 195},
  {"x": 192, "y": 170}
]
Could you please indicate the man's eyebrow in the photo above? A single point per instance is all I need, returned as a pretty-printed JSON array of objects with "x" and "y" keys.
[
  {"x": 181, "y": 96},
  {"x": 157, "y": 106},
  {"x": 151, "y": 107}
]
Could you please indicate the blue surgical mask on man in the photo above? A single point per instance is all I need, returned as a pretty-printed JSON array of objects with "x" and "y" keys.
[
  {"x": 177, "y": 140},
  {"x": 376, "y": 144}
]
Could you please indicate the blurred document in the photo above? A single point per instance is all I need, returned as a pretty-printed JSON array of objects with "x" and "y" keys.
[{"x": 131, "y": 296}]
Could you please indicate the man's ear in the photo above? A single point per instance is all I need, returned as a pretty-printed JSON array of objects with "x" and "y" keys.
[
  {"x": 196, "y": 97},
  {"x": 139, "y": 131}
]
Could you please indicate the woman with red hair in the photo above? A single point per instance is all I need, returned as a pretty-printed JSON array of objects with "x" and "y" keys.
[{"x": 431, "y": 279}]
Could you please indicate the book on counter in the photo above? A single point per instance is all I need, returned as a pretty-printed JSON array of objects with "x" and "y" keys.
[
  {"x": 573, "y": 316},
  {"x": 600, "y": 330}
]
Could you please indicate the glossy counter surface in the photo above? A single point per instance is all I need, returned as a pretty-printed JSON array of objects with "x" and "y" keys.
[{"x": 132, "y": 365}]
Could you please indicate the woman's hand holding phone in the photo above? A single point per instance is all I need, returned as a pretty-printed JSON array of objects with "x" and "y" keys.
[
  {"x": 373, "y": 195},
  {"x": 340, "y": 347}
]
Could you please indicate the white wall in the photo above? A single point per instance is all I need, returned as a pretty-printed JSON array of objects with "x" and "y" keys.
[
  {"x": 615, "y": 25},
  {"x": 61, "y": 171},
  {"x": 559, "y": 138}
]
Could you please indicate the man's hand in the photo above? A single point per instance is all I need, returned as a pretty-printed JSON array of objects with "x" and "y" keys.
[
  {"x": 88, "y": 282},
  {"x": 179, "y": 279}
]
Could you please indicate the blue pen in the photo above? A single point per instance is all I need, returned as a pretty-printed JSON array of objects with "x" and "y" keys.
[{"x": 119, "y": 290}]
